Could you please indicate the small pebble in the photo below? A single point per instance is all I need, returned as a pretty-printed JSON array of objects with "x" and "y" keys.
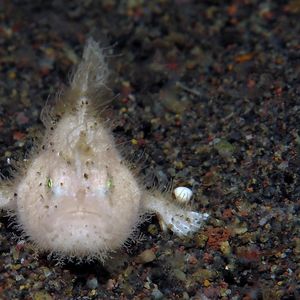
[
  {"x": 92, "y": 283},
  {"x": 225, "y": 248},
  {"x": 157, "y": 294},
  {"x": 41, "y": 295},
  {"x": 145, "y": 257},
  {"x": 180, "y": 275}
]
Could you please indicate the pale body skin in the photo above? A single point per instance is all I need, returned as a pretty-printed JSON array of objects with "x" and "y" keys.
[{"x": 77, "y": 197}]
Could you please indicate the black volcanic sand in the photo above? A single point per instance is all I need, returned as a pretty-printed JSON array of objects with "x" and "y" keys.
[{"x": 208, "y": 95}]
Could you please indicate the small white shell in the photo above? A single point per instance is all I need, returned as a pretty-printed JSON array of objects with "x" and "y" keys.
[{"x": 183, "y": 194}]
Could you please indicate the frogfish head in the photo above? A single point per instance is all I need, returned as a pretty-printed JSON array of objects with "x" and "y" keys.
[{"x": 79, "y": 209}]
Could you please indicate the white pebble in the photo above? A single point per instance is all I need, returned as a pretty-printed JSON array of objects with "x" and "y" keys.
[{"x": 183, "y": 194}]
